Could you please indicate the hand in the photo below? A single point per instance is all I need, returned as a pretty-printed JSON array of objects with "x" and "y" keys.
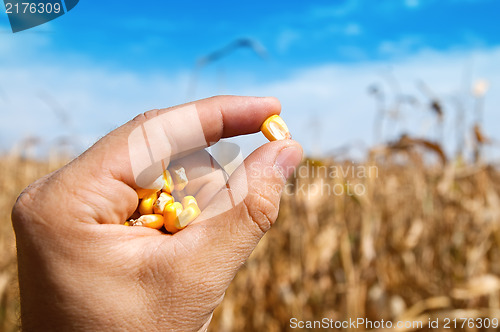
[{"x": 80, "y": 269}]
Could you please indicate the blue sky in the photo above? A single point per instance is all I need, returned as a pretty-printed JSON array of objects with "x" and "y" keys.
[
  {"x": 174, "y": 33},
  {"x": 166, "y": 35},
  {"x": 104, "y": 63}
]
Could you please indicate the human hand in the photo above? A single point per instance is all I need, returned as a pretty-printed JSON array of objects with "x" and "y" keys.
[{"x": 81, "y": 269}]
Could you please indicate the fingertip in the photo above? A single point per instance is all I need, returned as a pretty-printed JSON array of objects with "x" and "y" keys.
[
  {"x": 273, "y": 104},
  {"x": 288, "y": 159}
]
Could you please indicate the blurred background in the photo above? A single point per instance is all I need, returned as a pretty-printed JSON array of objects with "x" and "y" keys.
[{"x": 411, "y": 87}]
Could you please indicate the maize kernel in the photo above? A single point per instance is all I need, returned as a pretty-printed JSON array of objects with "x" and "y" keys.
[
  {"x": 187, "y": 200},
  {"x": 163, "y": 200},
  {"x": 168, "y": 185},
  {"x": 159, "y": 183},
  {"x": 170, "y": 215},
  {"x": 180, "y": 178},
  {"x": 274, "y": 128},
  {"x": 149, "y": 220},
  {"x": 187, "y": 216},
  {"x": 141, "y": 193},
  {"x": 147, "y": 203}
]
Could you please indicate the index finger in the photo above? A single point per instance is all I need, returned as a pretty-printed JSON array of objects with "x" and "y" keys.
[{"x": 140, "y": 150}]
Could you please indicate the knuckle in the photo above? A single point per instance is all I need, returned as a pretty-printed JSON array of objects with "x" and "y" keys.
[
  {"x": 34, "y": 209},
  {"x": 23, "y": 207}
]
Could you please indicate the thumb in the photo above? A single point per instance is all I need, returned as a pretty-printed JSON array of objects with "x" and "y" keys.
[
  {"x": 254, "y": 190},
  {"x": 267, "y": 171}
]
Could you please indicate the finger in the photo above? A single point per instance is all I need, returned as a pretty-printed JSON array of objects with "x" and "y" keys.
[{"x": 156, "y": 137}]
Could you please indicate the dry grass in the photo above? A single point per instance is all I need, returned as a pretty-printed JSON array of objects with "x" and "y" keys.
[{"x": 421, "y": 242}]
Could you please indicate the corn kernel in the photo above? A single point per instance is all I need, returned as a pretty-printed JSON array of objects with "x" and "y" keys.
[
  {"x": 155, "y": 186},
  {"x": 274, "y": 128},
  {"x": 170, "y": 215},
  {"x": 161, "y": 202},
  {"x": 187, "y": 200},
  {"x": 141, "y": 193},
  {"x": 147, "y": 203},
  {"x": 180, "y": 178},
  {"x": 187, "y": 216},
  {"x": 149, "y": 220},
  {"x": 168, "y": 183}
]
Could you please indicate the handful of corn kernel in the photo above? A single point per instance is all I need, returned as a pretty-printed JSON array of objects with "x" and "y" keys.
[{"x": 158, "y": 208}]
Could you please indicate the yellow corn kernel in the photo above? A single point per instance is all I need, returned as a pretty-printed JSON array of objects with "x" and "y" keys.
[
  {"x": 187, "y": 216},
  {"x": 149, "y": 220},
  {"x": 180, "y": 177},
  {"x": 127, "y": 223},
  {"x": 168, "y": 183},
  {"x": 154, "y": 187},
  {"x": 274, "y": 128},
  {"x": 170, "y": 215},
  {"x": 141, "y": 193},
  {"x": 147, "y": 203},
  {"x": 161, "y": 202},
  {"x": 187, "y": 200}
]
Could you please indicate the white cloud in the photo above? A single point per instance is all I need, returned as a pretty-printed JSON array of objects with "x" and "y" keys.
[
  {"x": 335, "y": 97},
  {"x": 94, "y": 100}
]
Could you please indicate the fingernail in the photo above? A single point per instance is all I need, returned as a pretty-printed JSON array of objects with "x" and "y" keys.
[{"x": 287, "y": 160}]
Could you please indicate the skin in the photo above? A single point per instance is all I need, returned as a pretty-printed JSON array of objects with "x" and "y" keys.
[{"x": 80, "y": 269}]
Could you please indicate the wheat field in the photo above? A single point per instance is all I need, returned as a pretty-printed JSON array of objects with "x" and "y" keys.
[{"x": 404, "y": 240}]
